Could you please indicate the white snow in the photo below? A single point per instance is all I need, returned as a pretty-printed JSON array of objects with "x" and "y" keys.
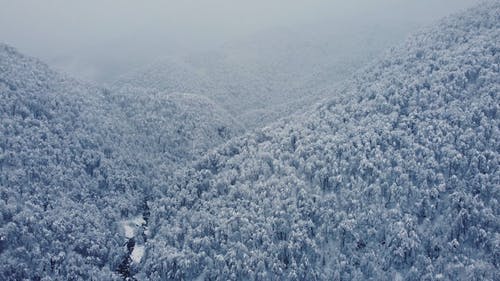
[
  {"x": 130, "y": 225},
  {"x": 137, "y": 253},
  {"x": 129, "y": 231},
  {"x": 139, "y": 220}
]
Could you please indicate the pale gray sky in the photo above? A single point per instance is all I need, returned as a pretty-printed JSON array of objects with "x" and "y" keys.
[{"x": 99, "y": 39}]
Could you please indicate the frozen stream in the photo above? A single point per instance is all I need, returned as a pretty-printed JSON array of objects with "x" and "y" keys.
[
  {"x": 132, "y": 228},
  {"x": 135, "y": 232}
]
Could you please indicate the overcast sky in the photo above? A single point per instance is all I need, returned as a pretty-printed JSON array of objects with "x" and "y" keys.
[{"x": 93, "y": 37}]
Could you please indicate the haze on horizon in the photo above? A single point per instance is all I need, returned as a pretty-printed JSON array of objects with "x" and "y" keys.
[{"x": 100, "y": 40}]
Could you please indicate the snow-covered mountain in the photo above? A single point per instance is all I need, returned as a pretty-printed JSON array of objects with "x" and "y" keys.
[
  {"x": 174, "y": 127},
  {"x": 272, "y": 74},
  {"x": 76, "y": 159},
  {"x": 396, "y": 177},
  {"x": 54, "y": 171}
]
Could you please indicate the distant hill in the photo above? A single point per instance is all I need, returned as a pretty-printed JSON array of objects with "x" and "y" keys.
[
  {"x": 76, "y": 159},
  {"x": 396, "y": 177},
  {"x": 174, "y": 127},
  {"x": 272, "y": 74}
]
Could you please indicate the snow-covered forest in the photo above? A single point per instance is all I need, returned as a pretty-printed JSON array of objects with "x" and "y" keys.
[{"x": 272, "y": 158}]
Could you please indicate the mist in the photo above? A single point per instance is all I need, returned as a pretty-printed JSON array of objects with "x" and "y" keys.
[
  {"x": 100, "y": 40},
  {"x": 249, "y": 140}
]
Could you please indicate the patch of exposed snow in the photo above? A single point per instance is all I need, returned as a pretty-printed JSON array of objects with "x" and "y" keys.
[
  {"x": 139, "y": 220},
  {"x": 137, "y": 253},
  {"x": 130, "y": 225},
  {"x": 129, "y": 231}
]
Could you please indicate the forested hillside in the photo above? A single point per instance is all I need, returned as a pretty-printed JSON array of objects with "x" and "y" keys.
[
  {"x": 75, "y": 160},
  {"x": 272, "y": 74},
  {"x": 395, "y": 177}
]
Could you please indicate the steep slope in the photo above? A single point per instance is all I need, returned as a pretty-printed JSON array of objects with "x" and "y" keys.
[
  {"x": 395, "y": 179},
  {"x": 49, "y": 179},
  {"x": 270, "y": 75},
  {"x": 174, "y": 127},
  {"x": 75, "y": 160}
]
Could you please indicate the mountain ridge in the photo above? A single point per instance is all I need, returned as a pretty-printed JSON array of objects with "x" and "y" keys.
[
  {"x": 396, "y": 179},
  {"x": 75, "y": 161}
]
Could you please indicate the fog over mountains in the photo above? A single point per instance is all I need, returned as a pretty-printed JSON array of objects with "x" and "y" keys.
[
  {"x": 269, "y": 76},
  {"x": 396, "y": 178},
  {"x": 286, "y": 156},
  {"x": 99, "y": 40}
]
